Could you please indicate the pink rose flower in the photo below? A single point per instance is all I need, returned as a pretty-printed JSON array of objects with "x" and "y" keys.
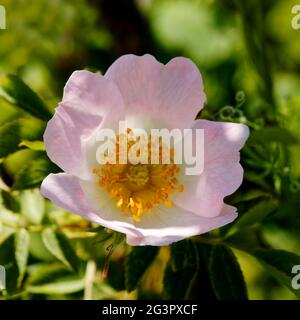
[{"x": 148, "y": 94}]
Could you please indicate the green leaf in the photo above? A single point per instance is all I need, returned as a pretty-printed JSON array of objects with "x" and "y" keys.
[
  {"x": 257, "y": 213},
  {"x": 10, "y": 202},
  {"x": 116, "y": 278},
  {"x": 46, "y": 273},
  {"x": 249, "y": 195},
  {"x": 32, "y": 205},
  {"x": 226, "y": 276},
  {"x": 180, "y": 270},
  {"x": 279, "y": 264},
  {"x": 102, "y": 291},
  {"x": 15, "y": 91},
  {"x": 68, "y": 251},
  {"x": 7, "y": 260},
  {"x": 33, "y": 173},
  {"x": 65, "y": 285},
  {"x": 102, "y": 235},
  {"x": 12, "y": 134},
  {"x": 137, "y": 262},
  {"x": 60, "y": 247},
  {"x": 201, "y": 287},
  {"x": 259, "y": 180},
  {"x": 245, "y": 238},
  {"x": 272, "y": 134},
  {"x": 33, "y": 145},
  {"x": 38, "y": 249},
  {"x": 179, "y": 255},
  {"x": 22, "y": 242},
  {"x": 8, "y": 218}
]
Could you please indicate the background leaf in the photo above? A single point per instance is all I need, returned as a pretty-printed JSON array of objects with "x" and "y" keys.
[
  {"x": 33, "y": 145},
  {"x": 33, "y": 173},
  {"x": 46, "y": 272},
  {"x": 10, "y": 201},
  {"x": 256, "y": 213},
  {"x": 272, "y": 134},
  {"x": 138, "y": 261},
  {"x": 226, "y": 276},
  {"x": 279, "y": 264},
  {"x": 181, "y": 269},
  {"x": 12, "y": 134},
  {"x": 32, "y": 205},
  {"x": 7, "y": 260},
  {"x": 61, "y": 286},
  {"x": 22, "y": 242},
  {"x": 59, "y": 246},
  {"x": 15, "y": 91}
]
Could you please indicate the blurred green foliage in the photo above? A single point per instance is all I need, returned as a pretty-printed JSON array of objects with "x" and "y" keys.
[{"x": 250, "y": 60}]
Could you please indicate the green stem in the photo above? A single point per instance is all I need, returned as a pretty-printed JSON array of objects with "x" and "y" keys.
[{"x": 91, "y": 269}]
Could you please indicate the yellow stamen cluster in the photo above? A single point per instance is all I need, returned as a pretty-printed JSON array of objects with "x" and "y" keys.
[{"x": 139, "y": 188}]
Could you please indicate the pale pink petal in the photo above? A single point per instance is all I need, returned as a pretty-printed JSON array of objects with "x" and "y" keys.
[
  {"x": 66, "y": 192},
  {"x": 170, "y": 95},
  {"x": 89, "y": 101},
  {"x": 175, "y": 224},
  {"x": 222, "y": 173},
  {"x": 161, "y": 227}
]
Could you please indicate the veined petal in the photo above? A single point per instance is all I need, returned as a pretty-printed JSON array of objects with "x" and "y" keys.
[
  {"x": 170, "y": 95},
  {"x": 222, "y": 173},
  {"x": 66, "y": 192},
  {"x": 173, "y": 225},
  {"x": 89, "y": 101}
]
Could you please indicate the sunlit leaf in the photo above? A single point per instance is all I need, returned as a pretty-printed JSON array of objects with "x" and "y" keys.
[
  {"x": 279, "y": 264},
  {"x": 33, "y": 173},
  {"x": 32, "y": 205},
  {"x": 22, "y": 242},
  {"x": 46, "y": 273},
  {"x": 15, "y": 91},
  {"x": 33, "y": 145},
  {"x": 102, "y": 291},
  {"x": 66, "y": 285},
  {"x": 60, "y": 247},
  {"x": 12, "y": 134}
]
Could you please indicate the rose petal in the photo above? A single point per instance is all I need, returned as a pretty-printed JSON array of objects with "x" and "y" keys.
[
  {"x": 222, "y": 173},
  {"x": 175, "y": 224},
  {"x": 66, "y": 192},
  {"x": 89, "y": 101},
  {"x": 161, "y": 227},
  {"x": 170, "y": 95}
]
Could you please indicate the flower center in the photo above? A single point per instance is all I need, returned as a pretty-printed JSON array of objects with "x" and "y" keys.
[
  {"x": 140, "y": 188},
  {"x": 137, "y": 177}
]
